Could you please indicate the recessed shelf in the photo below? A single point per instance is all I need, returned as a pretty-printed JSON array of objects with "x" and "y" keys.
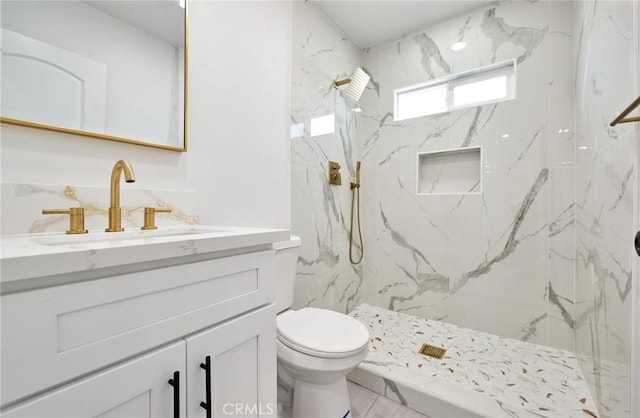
[{"x": 455, "y": 171}]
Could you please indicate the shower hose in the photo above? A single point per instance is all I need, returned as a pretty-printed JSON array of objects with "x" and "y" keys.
[{"x": 355, "y": 196}]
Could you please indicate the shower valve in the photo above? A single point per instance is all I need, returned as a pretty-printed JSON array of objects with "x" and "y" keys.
[{"x": 334, "y": 173}]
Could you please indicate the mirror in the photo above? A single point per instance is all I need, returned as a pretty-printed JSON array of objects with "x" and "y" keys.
[{"x": 106, "y": 69}]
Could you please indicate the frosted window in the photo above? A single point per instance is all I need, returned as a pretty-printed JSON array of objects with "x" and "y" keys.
[
  {"x": 423, "y": 102},
  {"x": 480, "y": 92},
  {"x": 489, "y": 84},
  {"x": 297, "y": 130},
  {"x": 323, "y": 125}
]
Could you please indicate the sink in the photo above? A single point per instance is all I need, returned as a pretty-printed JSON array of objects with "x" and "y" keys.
[
  {"x": 133, "y": 234},
  {"x": 56, "y": 254}
]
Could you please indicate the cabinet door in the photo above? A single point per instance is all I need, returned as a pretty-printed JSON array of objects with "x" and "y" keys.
[
  {"x": 137, "y": 388},
  {"x": 242, "y": 359}
]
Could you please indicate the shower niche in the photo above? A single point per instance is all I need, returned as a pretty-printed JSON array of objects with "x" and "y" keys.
[{"x": 454, "y": 171}]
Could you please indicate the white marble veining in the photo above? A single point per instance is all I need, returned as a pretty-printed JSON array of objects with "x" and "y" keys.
[
  {"x": 22, "y": 206},
  {"x": 28, "y": 256},
  {"x": 502, "y": 252},
  {"x": 542, "y": 254},
  {"x": 321, "y": 53},
  {"x": 526, "y": 379},
  {"x": 605, "y": 180}
]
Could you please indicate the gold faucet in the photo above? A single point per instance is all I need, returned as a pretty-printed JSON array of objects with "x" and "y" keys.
[{"x": 115, "y": 212}]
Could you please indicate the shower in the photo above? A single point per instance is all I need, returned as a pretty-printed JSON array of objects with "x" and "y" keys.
[
  {"x": 355, "y": 196},
  {"x": 357, "y": 83},
  {"x": 529, "y": 242}
]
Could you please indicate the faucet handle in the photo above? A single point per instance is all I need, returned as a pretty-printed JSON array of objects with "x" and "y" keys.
[
  {"x": 76, "y": 218},
  {"x": 150, "y": 217}
]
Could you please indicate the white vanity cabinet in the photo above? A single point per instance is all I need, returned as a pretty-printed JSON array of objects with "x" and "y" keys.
[
  {"x": 240, "y": 356},
  {"x": 240, "y": 380},
  {"x": 107, "y": 346},
  {"x": 137, "y": 388}
]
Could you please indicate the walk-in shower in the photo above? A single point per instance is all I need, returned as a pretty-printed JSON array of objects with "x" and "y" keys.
[{"x": 522, "y": 271}]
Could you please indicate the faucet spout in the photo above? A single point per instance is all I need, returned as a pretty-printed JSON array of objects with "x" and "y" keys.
[{"x": 115, "y": 212}]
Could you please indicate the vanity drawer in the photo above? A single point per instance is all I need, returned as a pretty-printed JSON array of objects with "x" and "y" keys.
[{"x": 53, "y": 335}]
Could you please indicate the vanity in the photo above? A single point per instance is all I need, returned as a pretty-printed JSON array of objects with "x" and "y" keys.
[{"x": 172, "y": 322}]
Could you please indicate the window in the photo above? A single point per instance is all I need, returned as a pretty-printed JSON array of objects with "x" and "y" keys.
[
  {"x": 490, "y": 84},
  {"x": 314, "y": 126},
  {"x": 323, "y": 125}
]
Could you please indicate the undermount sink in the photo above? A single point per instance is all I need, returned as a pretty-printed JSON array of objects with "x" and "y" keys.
[
  {"x": 133, "y": 234},
  {"x": 56, "y": 254}
]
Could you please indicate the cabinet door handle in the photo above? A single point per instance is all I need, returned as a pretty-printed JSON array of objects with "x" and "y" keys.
[
  {"x": 207, "y": 367},
  {"x": 175, "y": 382}
]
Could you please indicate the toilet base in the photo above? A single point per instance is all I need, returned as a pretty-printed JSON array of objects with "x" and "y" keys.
[{"x": 330, "y": 400}]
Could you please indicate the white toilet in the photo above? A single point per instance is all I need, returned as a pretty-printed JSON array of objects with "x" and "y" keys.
[{"x": 316, "y": 347}]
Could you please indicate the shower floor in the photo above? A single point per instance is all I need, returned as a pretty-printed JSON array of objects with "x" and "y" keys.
[{"x": 481, "y": 375}]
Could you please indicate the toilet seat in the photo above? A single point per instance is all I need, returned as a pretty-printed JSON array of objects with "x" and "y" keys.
[{"x": 321, "y": 333}]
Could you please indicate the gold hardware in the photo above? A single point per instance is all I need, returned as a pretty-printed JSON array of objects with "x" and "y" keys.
[
  {"x": 36, "y": 125},
  {"x": 19, "y": 122},
  {"x": 339, "y": 83},
  {"x": 150, "y": 217},
  {"x": 76, "y": 218},
  {"x": 334, "y": 173},
  {"x": 115, "y": 212},
  {"x": 432, "y": 351},
  {"x": 625, "y": 112},
  {"x": 355, "y": 196},
  {"x": 356, "y": 184}
]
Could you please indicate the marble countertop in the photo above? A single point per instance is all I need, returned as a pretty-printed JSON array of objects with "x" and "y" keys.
[{"x": 30, "y": 256}]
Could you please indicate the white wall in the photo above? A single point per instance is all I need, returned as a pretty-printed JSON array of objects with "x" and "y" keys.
[{"x": 238, "y": 157}]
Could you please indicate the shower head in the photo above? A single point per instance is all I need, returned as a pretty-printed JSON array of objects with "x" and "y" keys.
[{"x": 357, "y": 84}]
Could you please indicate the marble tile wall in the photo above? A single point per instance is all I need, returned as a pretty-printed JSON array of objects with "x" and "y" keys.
[
  {"x": 542, "y": 254},
  {"x": 500, "y": 261},
  {"x": 605, "y": 79},
  {"x": 320, "y": 213}
]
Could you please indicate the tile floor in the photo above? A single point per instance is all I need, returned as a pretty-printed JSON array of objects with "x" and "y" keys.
[{"x": 367, "y": 404}]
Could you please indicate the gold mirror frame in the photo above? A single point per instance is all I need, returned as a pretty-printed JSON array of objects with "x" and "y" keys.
[{"x": 28, "y": 124}]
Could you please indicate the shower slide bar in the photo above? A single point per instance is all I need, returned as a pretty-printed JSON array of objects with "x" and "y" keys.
[{"x": 621, "y": 117}]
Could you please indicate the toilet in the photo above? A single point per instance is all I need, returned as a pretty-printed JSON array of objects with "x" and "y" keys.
[{"x": 316, "y": 348}]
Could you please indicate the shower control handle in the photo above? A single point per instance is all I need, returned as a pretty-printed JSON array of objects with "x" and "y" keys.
[
  {"x": 637, "y": 243},
  {"x": 334, "y": 173}
]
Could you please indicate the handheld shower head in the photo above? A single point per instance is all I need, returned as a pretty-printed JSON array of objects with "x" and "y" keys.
[
  {"x": 356, "y": 183},
  {"x": 357, "y": 83}
]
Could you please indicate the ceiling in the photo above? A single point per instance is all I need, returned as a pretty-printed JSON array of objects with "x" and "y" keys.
[
  {"x": 163, "y": 19},
  {"x": 370, "y": 23}
]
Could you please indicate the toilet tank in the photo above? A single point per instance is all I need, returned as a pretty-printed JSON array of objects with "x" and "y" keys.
[{"x": 286, "y": 261}]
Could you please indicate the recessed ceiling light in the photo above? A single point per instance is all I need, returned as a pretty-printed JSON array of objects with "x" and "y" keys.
[
  {"x": 505, "y": 136},
  {"x": 356, "y": 110},
  {"x": 583, "y": 147},
  {"x": 458, "y": 46}
]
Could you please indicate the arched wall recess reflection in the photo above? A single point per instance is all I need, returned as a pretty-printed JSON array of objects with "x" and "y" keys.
[{"x": 101, "y": 69}]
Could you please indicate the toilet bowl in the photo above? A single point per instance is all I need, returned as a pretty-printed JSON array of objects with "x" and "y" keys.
[{"x": 316, "y": 348}]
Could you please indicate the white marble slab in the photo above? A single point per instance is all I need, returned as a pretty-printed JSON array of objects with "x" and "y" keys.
[
  {"x": 481, "y": 373},
  {"x": 22, "y": 206},
  {"x": 31, "y": 256}
]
